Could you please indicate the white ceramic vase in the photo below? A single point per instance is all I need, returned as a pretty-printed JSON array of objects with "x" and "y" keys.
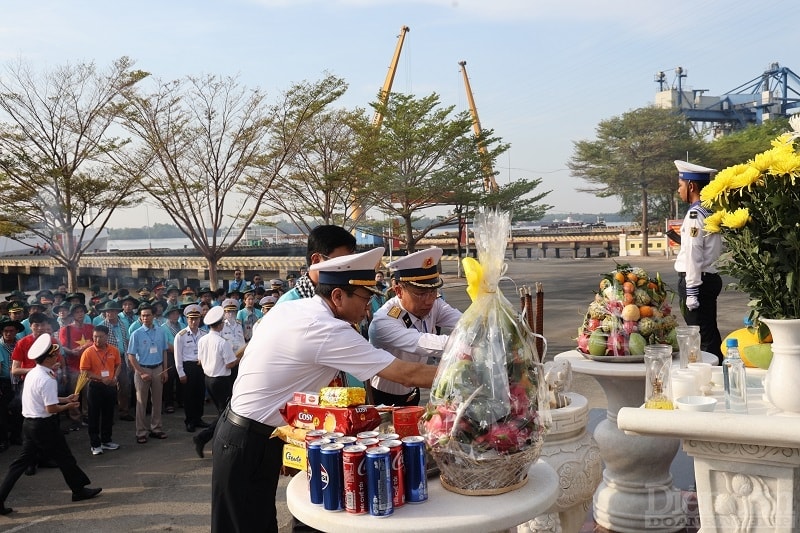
[{"x": 780, "y": 383}]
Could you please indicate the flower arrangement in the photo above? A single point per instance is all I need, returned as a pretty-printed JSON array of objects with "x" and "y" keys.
[{"x": 755, "y": 208}]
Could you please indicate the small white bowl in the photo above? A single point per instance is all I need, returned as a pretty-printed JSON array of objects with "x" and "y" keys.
[{"x": 696, "y": 403}]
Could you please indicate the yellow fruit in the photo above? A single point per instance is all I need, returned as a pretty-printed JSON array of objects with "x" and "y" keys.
[
  {"x": 746, "y": 338},
  {"x": 757, "y": 355}
]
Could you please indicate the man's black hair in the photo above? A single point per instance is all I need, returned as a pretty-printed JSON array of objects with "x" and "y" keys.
[
  {"x": 37, "y": 318},
  {"x": 325, "y": 239}
]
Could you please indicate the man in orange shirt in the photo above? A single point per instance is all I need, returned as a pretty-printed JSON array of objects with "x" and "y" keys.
[{"x": 102, "y": 363}]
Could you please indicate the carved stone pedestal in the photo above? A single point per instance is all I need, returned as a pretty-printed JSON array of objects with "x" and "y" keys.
[{"x": 575, "y": 456}]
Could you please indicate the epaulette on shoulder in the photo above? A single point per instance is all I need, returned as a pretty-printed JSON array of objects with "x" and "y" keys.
[
  {"x": 394, "y": 312},
  {"x": 182, "y": 332}
]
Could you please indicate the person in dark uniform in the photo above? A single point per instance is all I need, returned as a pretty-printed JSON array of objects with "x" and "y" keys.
[
  {"x": 302, "y": 346},
  {"x": 699, "y": 284},
  {"x": 40, "y": 430}
]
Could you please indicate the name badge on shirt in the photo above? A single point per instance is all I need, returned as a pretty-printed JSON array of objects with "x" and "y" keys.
[
  {"x": 104, "y": 374},
  {"x": 153, "y": 349}
]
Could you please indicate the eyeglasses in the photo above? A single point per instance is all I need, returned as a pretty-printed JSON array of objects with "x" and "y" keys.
[
  {"x": 429, "y": 294},
  {"x": 365, "y": 298}
]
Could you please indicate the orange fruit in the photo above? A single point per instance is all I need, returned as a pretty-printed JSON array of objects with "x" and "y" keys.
[
  {"x": 628, "y": 287},
  {"x": 645, "y": 311},
  {"x": 627, "y": 298},
  {"x": 633, "y": 278},
  {"x": 619, "y": 276}
]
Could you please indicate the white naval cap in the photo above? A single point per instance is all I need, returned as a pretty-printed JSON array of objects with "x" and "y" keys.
[
  {"x": 356, "y": 269},
  {"x": 42, "y": 345},
  {"x": 267, "y": 301},
  {"x": 420, "y": 268},
  {"x": 193, "y": 310},
  {"x": 691, "y": 172},
  {"x": 214, "y": 316},
  {"x": 230, "y": 304}
]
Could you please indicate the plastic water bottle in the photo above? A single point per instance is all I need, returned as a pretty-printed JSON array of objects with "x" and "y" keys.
[{"x": 733, "y": 374}]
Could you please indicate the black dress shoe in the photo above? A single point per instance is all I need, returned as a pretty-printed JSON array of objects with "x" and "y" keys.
[
  {"x": 86, "y": 493},
  {"x": 198, "y": 446},
  {"x": 5, "y": 510},
  {"x": 190, "y": 428},
  {"x": 127, "y": 418},
  {"x": 31, "y": 470},
  {"x": 202, "y": 424}
]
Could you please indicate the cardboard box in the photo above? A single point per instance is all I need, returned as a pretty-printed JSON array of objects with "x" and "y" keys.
[
  {"x": 294, "y": 457},
  {"x": 306, "y": 398}
]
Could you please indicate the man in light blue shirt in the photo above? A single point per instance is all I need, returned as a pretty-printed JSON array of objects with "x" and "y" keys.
[{"x": 147, "y": 349}]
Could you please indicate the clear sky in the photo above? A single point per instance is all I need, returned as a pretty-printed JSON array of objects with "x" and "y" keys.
[{"x": 543, "y": 72}]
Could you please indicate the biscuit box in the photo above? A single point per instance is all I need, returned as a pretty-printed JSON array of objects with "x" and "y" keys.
[
  {"x": 342, "y": 396},
  {"x": 308, "y": 398},
  {"x": 294, "y": 457},
  {"x": 348, "y": 420}
]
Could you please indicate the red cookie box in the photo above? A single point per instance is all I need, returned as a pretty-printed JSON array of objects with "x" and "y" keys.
[
  {"x": 307, "y": 398},
  {"x": 348, "y": 420}
]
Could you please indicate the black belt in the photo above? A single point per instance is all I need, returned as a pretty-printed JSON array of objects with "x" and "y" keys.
[
  {"x": 248, "y": 424},
  {"x": 192, "y": 362},
  {"x": 683, "y": 274},
  {"x": 151, "y": 366}
]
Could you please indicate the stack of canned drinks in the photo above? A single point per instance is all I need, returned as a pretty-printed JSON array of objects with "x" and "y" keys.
[{"x": 371, "y": 473}]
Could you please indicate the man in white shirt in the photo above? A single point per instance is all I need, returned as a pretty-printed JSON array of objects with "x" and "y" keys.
[
  {"x": 301, "y": 346},
  {"x": 190, "y": 374},
  {"x": 41, "y": 434},
  {"x": 408, "y": 324},
  {"x": 217, "y": 358}
]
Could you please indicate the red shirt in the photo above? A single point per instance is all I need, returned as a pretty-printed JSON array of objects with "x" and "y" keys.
[
  {"x": 20, "y": 352},
  {"x": 75, "y": 337}
]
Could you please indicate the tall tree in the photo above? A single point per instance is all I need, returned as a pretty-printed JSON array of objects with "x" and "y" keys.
[
  {"x": 424, "y": 156},
  {"x": 212, "y": 149},
  {"x": 57, "y": 152},
  {"x": 741, "y": 145},
  {"x": 323, "y": 183},
  {"x": 633, "y": 156}
]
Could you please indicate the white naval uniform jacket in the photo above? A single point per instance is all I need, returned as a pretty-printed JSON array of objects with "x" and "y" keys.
[
  {"x": 699, "y": 249},
  {"x": 409, "y": 337}
]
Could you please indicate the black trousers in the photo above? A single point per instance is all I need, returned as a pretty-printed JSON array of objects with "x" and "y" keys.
[
  {"x": 398, "y": 400},
  {"x": 43, "y": 435},
  {"x": 194, "y": 392},
  {"x": 102, "y": 402},
  {"x": 704, "y": 316},
  {"x": 6, "y": 395},
  {"x": 220, "y": 389},
  {"x": 244, "y": 479}
]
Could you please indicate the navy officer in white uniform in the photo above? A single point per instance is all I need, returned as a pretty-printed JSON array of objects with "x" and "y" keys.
[
  {"x": 301, "y": 347},
  {"x": 408, "y": 325},
  {"x": 699, "y": 284}
]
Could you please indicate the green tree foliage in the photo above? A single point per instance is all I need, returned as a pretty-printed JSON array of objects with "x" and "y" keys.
[
  {"x": 57, "y": 174},
  {"x": 424, "y": 156},
  {"x": 322, "y": 182},
  {"x": 212, "y": 150},
  {"x": 632, "y": 159},
  {"x": 739, "y": 146}
]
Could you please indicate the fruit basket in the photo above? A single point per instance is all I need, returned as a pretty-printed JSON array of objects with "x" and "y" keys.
[
  {"x": 629, "y": 311},
  {"x": 488, "y": 410}
]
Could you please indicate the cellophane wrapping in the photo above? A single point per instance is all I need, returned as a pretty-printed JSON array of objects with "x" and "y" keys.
[{"x": 488, "y": 410}]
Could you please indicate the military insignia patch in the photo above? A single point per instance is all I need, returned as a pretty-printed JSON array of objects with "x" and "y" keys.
[
  {"x": 394, "y": 312},
  {"x": 693, "y": 232},
  {"x": 428, "y": 262}
]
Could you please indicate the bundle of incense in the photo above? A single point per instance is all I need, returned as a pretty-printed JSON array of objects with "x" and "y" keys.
[{"x": 83, "y": 379}]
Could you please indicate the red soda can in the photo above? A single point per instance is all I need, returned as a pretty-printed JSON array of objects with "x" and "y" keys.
[
  {"x": 333, "y": 435},
  {"x": 370, "y": 442},
  {"x": 354, "y": 461},
  {"x": 346, "y": 440},
  {"x": 314, "y": 434},
  {"x": 367, "y": 435},
  {"x": 398, "y": 471},
  {"x": 388, "y": 436}
]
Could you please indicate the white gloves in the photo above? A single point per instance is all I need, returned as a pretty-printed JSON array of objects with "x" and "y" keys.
[{"x": 692, "y": 303}]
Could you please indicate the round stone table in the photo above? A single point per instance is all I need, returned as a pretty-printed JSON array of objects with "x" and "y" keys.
[{"x": 636, "y": 493}]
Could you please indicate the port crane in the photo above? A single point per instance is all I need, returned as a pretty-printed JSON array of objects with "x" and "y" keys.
[
  {"x": 377, "y": 119},
  {"x": 489, "y": 183}
]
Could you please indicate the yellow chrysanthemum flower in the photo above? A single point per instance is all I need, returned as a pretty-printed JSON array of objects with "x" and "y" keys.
[
  {"x": 763, "y": 161},
  {"x": 717, "y": 189},
  {"x": 713, "y": 221},
  {"x": 746, "y": 178},
  {"x": 786, "y": 163},
  {"x": 736, "y": 219}
]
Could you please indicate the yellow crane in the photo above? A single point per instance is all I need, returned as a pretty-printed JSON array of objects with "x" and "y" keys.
[
  {"x": 387, "y": 84},
  {"x": 489, "y": 183}
]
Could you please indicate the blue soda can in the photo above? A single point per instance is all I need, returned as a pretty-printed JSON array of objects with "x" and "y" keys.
[
  {"x": 314, "y": 469},
  {"x": 331, "y": 476},
  {"x": 416, "y": 469},
  {"x": 379, "y": 482}
]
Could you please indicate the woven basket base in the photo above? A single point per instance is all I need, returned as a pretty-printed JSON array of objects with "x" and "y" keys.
[{"x": 483, "y": 492}]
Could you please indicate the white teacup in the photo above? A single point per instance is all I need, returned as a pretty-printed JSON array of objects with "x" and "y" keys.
[{"x": 684, "y": 383}]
